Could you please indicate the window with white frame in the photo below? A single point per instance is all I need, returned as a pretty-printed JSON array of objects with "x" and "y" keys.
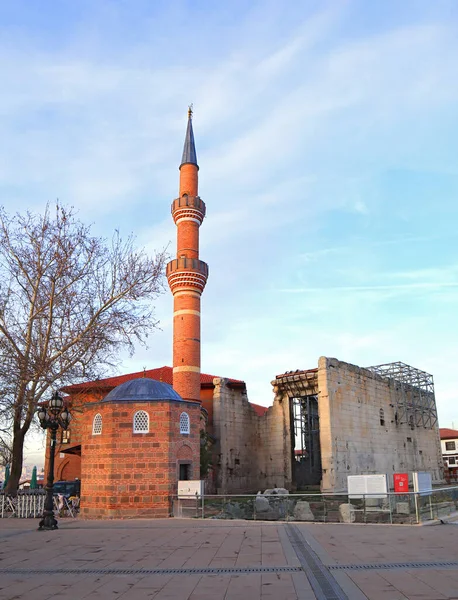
[
  {"x": 97, "y": 424},
  {"x": 141, "y": 422},
  {"x": 184, "y": 423}
]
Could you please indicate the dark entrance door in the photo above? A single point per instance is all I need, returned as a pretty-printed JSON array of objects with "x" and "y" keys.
[
  {"x": 305, "y": 441},
  {"x": 184, "y": 473}
]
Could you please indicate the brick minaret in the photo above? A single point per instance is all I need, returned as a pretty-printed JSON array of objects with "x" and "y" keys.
[{"x": 187, "y": 275}]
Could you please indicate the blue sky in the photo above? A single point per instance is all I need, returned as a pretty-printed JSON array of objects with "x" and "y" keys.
[{"x": 326, "y": 135}]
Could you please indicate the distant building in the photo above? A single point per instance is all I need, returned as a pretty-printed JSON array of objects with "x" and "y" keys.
[{"x": 449, "y": 446}]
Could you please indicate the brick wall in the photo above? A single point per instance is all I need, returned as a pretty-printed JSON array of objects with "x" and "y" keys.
[
  {"x": 68, "y": 466},
  {"x": 126, "y": 474}
]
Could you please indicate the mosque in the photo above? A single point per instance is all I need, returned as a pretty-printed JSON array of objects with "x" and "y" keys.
[{"x": 133, "y": 437}]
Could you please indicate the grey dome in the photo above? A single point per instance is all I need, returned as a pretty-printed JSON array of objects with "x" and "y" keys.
[{"x": 142, "y": 389}]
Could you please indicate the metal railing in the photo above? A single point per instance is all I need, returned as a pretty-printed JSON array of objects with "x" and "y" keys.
[
  {"x": 410, "y": 508},
  {"x": 30, "y": 505}
]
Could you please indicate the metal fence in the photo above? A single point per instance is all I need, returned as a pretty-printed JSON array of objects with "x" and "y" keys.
[
  {"x": 30, "y": 505},
  {"x": 410, "y": 508}
]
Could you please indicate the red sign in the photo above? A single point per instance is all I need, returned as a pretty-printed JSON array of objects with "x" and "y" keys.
[{"x": 401, "y": 483}]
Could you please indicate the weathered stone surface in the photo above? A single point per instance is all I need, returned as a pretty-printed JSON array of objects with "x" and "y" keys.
[
  {"x": 347, "y": 513},
  {"x": 238, "y": 510},
  {"x": 360, "y": 432},
  {"x": 372, "y": 502},
  {"x": 402, "y": 508},
  {"x": 276, "y": 491},
  {"x": 302, "y": 511},
  {"x": 262, "y": 504}
]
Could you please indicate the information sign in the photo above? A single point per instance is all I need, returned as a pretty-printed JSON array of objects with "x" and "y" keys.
[
  {"x": 401, "y": 483},
  {"x": 188, "y": 489},
  {"x": 422, "y": 483},
  {"x": 360, "y": 485}
]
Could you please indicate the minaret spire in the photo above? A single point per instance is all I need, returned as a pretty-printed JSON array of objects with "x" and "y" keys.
[
  {"x": 189, "y": 148},
  {"x": 187, "y": 274}
]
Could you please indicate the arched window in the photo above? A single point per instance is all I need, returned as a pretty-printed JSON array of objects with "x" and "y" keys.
[
  {"x": 97, "y": 424},
  {"x": 184, "y": 423},
  {"x": 382, "y": 417},
  {"x": 141, "y": 422}
]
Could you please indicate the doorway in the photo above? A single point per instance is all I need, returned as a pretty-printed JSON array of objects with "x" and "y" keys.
[
  {"x": 305, "y": 441},
  {"x": 184, "y": 471}
]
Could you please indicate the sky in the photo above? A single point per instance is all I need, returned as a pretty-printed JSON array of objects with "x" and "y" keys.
[{"x": 326, "y": 136}]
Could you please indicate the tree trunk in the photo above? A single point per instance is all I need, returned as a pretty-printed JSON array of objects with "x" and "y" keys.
[{"x": 16, "y": 466}]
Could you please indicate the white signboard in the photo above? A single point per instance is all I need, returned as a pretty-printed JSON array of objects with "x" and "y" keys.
[
  {"x": 187, "y": 489},
  {"x": 375, "y": 485},
  {"x": 422, "y": 483}
]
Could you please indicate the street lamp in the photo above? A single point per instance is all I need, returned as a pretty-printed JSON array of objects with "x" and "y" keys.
[{"x": 52, "y": 417}]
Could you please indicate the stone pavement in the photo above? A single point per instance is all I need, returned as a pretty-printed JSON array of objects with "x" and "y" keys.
[{"x": 181, "y": 559}]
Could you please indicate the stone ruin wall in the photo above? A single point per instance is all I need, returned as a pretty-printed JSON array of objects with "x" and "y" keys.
[
  {"x": 353, "y": 442},
  {"x": 251, "y": 452},
  {"x": 275, "y": 456}
]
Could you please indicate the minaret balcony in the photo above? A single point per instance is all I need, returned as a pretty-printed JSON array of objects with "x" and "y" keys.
[
  {"x": 186, "y": 273},
  {"x": 188, "y": 208}
]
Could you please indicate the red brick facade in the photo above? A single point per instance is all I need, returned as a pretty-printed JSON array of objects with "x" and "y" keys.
[
  {"x": 187, "y": 275},
  {"x": 126, "y": 474}
]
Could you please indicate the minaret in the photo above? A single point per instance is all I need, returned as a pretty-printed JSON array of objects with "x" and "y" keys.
[{"x": 187, "y": 275}]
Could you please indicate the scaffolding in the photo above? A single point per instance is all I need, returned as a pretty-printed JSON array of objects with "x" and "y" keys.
[{"x": 412, "y": 392}]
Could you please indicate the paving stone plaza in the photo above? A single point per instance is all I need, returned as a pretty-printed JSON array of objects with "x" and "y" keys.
[{"x": 181, "y": 559}]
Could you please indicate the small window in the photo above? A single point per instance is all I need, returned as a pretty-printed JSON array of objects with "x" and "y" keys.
[
  {"x": 97, "y": 425},
  {"x": 141, "y": 422},
  {"x": 451, "y": 460},
  {"x": 450, "y": 446},
  {"x": 382, "y": 417},
  {"x": 184, "y": 423}
]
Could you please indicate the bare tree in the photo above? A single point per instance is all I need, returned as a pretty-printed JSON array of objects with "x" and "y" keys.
[
  {"x": 69, "y": 302},
  {"x": 6, "y": 450}
]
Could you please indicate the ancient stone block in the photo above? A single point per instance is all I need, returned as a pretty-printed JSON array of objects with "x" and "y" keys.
[
  {"x": 347, "y": 513},
  {"x": 402, "y": 508},
  {"x": 262, "y": 504},
  {"x": 302, "y": 511}
]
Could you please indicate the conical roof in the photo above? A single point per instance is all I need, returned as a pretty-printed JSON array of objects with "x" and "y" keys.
[{"x": 189, "y": 149}]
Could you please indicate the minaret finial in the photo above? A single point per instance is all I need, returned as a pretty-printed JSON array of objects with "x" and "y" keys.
[{"x": 190, "y": 111}]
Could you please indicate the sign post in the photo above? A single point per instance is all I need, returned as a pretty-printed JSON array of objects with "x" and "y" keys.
[
  {"x": 422, "y": 486},
  {"x": 188, "y": 490}
]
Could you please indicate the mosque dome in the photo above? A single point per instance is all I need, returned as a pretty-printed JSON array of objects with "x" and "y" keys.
[{"x": 142, "y": 389}]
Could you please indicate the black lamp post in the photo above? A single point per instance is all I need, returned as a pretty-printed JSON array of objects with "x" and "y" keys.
[{"x": 52, "y": 417}]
